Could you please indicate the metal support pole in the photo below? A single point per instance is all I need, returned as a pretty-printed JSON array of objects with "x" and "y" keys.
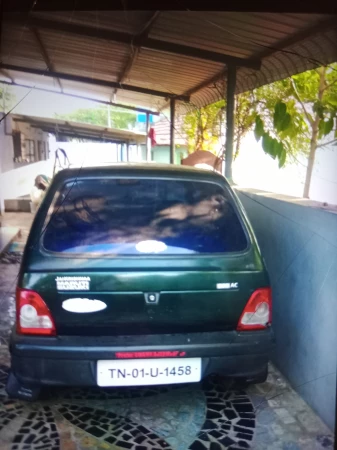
[
  {"x": 124, "y": 150},
  {"x": 172, "y": 129},
  {"x": 128, "y": 151},
  {"x": 231, "y": 82},
  {"x": 119, "y": 153},
  {"x": 148, "y": 140},
  {"x": 109, "y": 117}
]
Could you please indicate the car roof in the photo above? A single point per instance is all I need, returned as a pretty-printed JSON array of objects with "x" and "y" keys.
[{"x": 141, "y": 169}]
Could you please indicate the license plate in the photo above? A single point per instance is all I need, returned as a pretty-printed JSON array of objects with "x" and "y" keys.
[{"x": 139, "y": 372}]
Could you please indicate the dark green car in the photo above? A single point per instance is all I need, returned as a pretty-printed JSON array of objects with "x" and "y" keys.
[{"x": 139, "y": 275}]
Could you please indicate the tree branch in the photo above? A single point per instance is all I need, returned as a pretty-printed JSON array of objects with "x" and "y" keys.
[
  {"x": 327, "y": 143},
  {"x": 301, "y": 103},
  {"x": 327, "y": 86}
]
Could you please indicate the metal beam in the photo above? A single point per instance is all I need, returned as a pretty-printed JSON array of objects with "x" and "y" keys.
[
  {"x": 45, "y": 55},
  {"x": 194, "y": 52},
  {"x": 297, "y": 37},
  {"x": 68, "y": 128},
  {"x": 126, "y": 38},
  {"x": 94, "y": 81},
  {"x": 172, "y": 130},
  {"x": 102, "y": 102},
  {"x": 231, "y": 82},
  {"x": 133, "y": 5},
  {"x": 206, "y": 83},
  {"x": 79, "y": 134},
  {"x": 142, "y": 35},
  {"x": 200, "y": 86}
]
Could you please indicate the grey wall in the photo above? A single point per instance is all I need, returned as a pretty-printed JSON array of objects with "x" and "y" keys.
[{"x": 299, "y": 245}]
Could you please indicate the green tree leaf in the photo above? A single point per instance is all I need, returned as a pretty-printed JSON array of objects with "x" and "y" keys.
[
  {"x": 318, "y": 108},
  {"x": 269, "y": 145},
  {"x": 7, "y": 98},
  {"x": 281, "y": 118},
  {"x": 282, "y": 156},
  {"x": 332, "y": 101},
  {"x": 328, "y": 126},
  {"x": 286, "y": 122},
  {"x": 325, "y": 127},
  {"x": 280, "y": 111},
  {"x": 259, "y": 128}
]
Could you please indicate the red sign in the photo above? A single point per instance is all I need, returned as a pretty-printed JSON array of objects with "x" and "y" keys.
[{"x": 145, "y": 355}]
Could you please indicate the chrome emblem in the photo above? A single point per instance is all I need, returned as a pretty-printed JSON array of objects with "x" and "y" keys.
[{"x": 152, "y": 298}]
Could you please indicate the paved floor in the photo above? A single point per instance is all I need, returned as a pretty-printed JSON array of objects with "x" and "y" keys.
[
  {"x": 7, "y": 234},
  {"x": 212, "y": 415}
]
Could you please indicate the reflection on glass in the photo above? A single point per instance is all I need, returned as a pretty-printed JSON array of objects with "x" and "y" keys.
[{"x": 112, "y": 216}]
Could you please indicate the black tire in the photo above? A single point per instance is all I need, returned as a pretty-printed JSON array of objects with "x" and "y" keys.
[
  {"x": 259, "y": 378},
  {"x": 19, "y": 391}
]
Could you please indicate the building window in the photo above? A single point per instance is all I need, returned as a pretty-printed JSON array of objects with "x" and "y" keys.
[
  {"x": 29, "y": 151},
  {"x": 17, "y": 146},
  {"x": 41, "y": 150}
]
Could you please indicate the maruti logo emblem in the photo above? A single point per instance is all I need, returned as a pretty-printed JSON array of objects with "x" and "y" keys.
[{"x": 152, "y": 298}]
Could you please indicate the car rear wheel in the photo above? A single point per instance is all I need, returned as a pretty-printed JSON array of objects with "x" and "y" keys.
[
  {"x": 21, "y": 391},
  {"x": 261, "y": 377}
]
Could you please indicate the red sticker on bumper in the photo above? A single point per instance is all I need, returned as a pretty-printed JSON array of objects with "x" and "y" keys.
[{"x": 144, "y": 355}]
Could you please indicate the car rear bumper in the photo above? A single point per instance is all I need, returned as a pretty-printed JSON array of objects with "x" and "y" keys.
[{"x": 72, "y": 360}]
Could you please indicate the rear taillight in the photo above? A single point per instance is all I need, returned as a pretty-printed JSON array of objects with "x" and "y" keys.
[
  {"x": 257, "y": 312},
  {"x": 32, "y": 314}
]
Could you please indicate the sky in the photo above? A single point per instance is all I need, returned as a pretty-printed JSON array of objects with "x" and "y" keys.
[{"x": 45, "y": 104}]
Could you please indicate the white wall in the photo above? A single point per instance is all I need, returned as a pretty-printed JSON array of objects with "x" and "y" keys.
[
  {"x": 20, "y": 181},
  {"x": 253, "y": 168},
  {"x": 6, "y": 144},
  {"x": 17, "y": 179},
  {"x": 91, "y": 153},
  {"x": 324, "y": 181},
  {"x": 85, "y": 153}
]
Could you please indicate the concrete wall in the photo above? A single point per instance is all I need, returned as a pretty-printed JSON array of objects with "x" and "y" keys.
[
  {"x": 299, "y": 244},
  {"x": 161, "y": 153},
  {"x": 34, "y": 134},
  {"x": 323, "y": 185},
  {"x": 19, "y": 182},
  {"x": 290, "y": 179},
  {"x": 6, "y": 144},
  {"x": 7, "y": 126}
]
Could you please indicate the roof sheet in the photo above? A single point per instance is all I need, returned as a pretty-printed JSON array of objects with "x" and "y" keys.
[
  {"x": 82, "y": 130},
  {"x": 286, "y": 44}
]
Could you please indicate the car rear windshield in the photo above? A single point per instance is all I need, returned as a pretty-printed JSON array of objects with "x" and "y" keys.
[{"x": 129, "y": 216}]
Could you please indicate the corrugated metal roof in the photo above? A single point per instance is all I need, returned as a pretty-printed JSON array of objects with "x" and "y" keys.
[
  {"x": 128, "y": 21},
  {"x": 82, "y": 130},
  {"x": 286, "y": 44}
]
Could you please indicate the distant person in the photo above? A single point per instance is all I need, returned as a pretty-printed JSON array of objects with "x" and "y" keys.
[{"x": 40, "y": 186}]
